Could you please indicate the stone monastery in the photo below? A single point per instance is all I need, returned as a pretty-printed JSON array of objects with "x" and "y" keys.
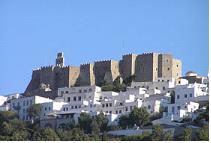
[{"x": 146, "y": 67}]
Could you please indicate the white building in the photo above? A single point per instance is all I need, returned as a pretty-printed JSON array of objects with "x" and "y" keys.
[
  {"x": 21, "y": 105},
  {"x": 191, "y": 92},
  {"x": 5, "y": 101},
  {"x": 160, "y": 86},
  {"x": 178, "y": 111}
]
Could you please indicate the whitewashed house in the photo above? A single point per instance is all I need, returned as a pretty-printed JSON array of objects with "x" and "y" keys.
[
  {"x": 21, "y": 105},
  {"x": 180, "y": 110}
]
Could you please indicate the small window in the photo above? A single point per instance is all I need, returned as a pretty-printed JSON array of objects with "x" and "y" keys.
[
  {"x": 121, "y": 104},
  {"x": 72, "y": 107},
  {"x": 120, "y": 111},
  {"x": 90, "y": 90},
  {"x": 185, "y": 95},
  {"x": 177, "y": 65},
  {"x": 149, "y": 107},
  {"x": 162, "y": 80},
  {"x": 45, "y": 109},
  {"x": 79, "y": 98},
  {"x": 103, "y": 105},
  {"x": 178, "y": 107},
  {"x": 74, "y": 98},
  {"x": 80, "y": 91},
  {"x": 131, "y": 108},
  {"x": 164, "y": 88},
  {"x": 79, "y": 106},
  {"x": 63, "y": 109},
  {"x": 156, "y": 87},
  {"x": 168, "y": 69},
  {"x": 172, "y": 109},
  {"x": 68, "y": 99},
  {"x": 24, "y": 103},
  {"x": 76, "y": 107},
  {"x": 110, "y": 104},
  {"x": 116, "y": 111},
  {"x": 66, "y": 92},
  {"x": 106, "y": 104},
  {"x": 177, "y": 96},
  {"x": 30, "y": 102},
  {"x": 191, "y": 94},
  {"x": 110, "y": 112},
  {"x": 62, "y": 92},
  {"x": 49, "y": 108},
  {"x": 126, "y": 109}
]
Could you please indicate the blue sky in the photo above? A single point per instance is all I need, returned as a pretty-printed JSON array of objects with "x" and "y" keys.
[{"x": 32, "y": 32}]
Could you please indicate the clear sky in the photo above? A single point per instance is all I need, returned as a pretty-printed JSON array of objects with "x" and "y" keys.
[{"x": 32, "y": 32}]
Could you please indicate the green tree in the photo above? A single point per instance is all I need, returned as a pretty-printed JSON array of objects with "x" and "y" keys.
[
  {"x": 139, "y": 116},
  {"x": 34, "y": 111},
  {"x": 167, "y": 136},
  {"x": 95, "y": 129},
  {"x": 75, "y": 134},
  {"x": 47, "y": 134},
  {"x": 127, "y": 81},
  {"x": 203, "y": 133},
  {"x": 143, "y": 137},
  {"x": 107, "y": 87},
  {"x": 14, "y": 130},
  {"x": 124, "y": 121},
  {"x": 157, "y": 133},
  {"x": 102, "y": 121},
  {"x": 187, "y": 134},
  {"x": 7, "y": 116},
  {"x": 85, "y": 122}
]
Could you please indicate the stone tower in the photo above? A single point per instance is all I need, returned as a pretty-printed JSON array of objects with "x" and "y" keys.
[
  {"x": 60, "y": 59},
  {"x": 87, "y": 76},
  {"x": 151, "y": 66},
  {"x": 52, "y": 77},
  {"x": 127, "y": 65}
]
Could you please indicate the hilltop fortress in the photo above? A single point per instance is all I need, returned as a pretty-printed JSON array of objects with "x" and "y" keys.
[{"x": 146, "y": 67}]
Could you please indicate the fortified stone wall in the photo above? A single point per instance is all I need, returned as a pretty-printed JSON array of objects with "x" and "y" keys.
[
  {"x": 127, "y": 65},
  {"x": 106, "y": 70},
  {"x": 87, "y": 76},
  {"x": 146, "y": 67},
  {"x": 53, "y": 77},
  {"x": 165, "y": 65}
]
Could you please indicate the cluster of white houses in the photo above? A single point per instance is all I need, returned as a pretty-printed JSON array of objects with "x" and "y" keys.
[{"x": 91, "y": 99}]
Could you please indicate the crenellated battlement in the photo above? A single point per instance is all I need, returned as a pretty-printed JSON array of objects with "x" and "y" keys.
[
  {"x": 130, "y": 54},
  {"x": 86, "y": 64},
  {"x": 103, "y": 62}
]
